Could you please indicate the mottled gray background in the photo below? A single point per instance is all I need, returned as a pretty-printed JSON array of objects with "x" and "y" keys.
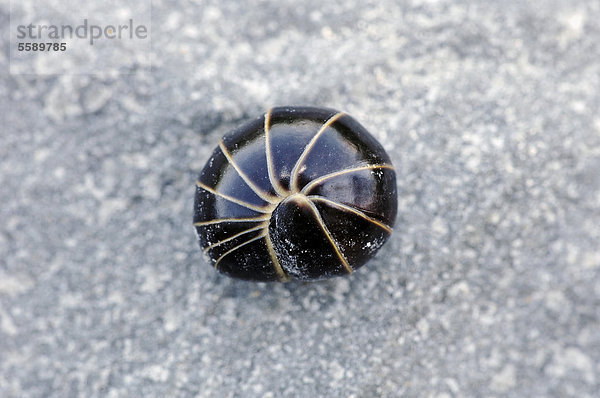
[{"x": 490, "y": 285}]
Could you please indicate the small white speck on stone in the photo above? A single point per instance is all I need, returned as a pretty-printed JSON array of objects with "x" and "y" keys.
[
  {"x": 109, "y": 208},
  {"x": 423, "y": 327},
  {"x": 59, "y": 173},
  {"x": 505, "y": 379},
  {"x": 336, "y": 370},
  {"x": 96, "y": 97},
  {"x": 131, "y": 104},
  {"x": 115, "y": 297},
  {"x": 7, "y": 325},
  {"x": 494, "y": 217},
  {"x": 191, "y": 31},
  {"x": 573, "y": 22},
  {"x": 172, "y": 21},
  {"x": 70, "y": 300},
  {"x": 212, "y": 13},
  {"x": 556, "y": 301},
  {"x": 576, "y": 359},
  {"x": 578, "y": 107},
  {"x": 571, "y": 359},
  {"x": 327, "y": 33},
  {"x": 123, "y": 12},
  {"x": 14, "y": 284},
  {"x": 156, "y": 373},
  {"x": 152, "y": 281},
  {"x": 151, "y": 186},
  {"x": 590, "y": 259},
  {"x": 41, "y": 154},
  {"x": 458, "y": 289},
  {"x": 452, "y": 385},
  {"x": 171, "y": 320},
  {"x": 473, "y": 163},
  {"x": 439, "y": 226},
  {"x": 137, "y": 159}
]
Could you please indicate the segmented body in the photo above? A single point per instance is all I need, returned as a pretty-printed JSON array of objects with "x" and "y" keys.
[{"x": 301, "y": 193}]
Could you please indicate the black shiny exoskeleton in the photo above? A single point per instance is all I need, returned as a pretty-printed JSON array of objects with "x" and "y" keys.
[{"x": 299, "y": 193}]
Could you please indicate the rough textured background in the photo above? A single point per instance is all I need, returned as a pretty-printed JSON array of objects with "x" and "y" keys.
[{"x": 490, "y": 285}]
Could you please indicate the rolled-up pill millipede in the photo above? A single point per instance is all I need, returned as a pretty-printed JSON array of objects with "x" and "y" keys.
[{"x": 301, "y": 193}]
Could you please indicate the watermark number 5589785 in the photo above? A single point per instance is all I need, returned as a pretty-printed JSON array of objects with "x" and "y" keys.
[{"x": 42, "y": 46}]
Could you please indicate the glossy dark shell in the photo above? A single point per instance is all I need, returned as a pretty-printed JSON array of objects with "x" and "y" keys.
[{"x": 298, "y": 193}]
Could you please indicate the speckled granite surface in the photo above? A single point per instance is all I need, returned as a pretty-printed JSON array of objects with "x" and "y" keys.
[{"x": 490, "y": 285}]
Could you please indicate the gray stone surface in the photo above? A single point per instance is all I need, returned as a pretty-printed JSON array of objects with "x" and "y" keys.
[{"x": 490, "y": 285}]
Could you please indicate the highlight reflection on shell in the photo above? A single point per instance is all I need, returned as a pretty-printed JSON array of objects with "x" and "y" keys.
[{"x": 301, "y": 193}]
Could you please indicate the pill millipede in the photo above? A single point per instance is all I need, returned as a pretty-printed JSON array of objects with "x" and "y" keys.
[{"x": 300, "y": 193}]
